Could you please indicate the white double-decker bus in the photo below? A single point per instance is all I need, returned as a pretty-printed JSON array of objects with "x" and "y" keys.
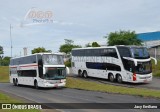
[
  {"x": 38, "y": 70},
  {"x": 116, "y": 63}
]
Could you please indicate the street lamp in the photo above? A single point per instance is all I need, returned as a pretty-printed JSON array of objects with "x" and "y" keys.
[
  {"x": 1, "y": 55},
  {"x": 11, "y": 38}
]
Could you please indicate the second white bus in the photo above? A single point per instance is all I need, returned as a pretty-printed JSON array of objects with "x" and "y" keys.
[{"x": 120, "y": 63}]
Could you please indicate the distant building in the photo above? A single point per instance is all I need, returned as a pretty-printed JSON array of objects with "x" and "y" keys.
[{"x": 152, "y": 41}]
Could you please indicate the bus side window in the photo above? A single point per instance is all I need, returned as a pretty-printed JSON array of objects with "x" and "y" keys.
[
  {"x": 124, "y": 52},
  {"x": 128, "y": 65},
  {"x": 113, "y": 53},
  {"x": 73, "y": 64},
  {"x": 34, "y": 73},
  {"x": 19, "y": 73},
  {"x": 110, "y": 52},
  {"x": 40, "y": 65}
]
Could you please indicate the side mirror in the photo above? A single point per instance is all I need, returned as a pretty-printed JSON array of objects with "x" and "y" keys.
[
  {"x": 155, "y": 60},
  {"x": 67, "y": 71}
]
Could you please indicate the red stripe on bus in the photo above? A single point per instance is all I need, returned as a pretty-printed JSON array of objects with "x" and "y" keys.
[
  {"x": 28, "y": 65},
  {"x": 13, "y": 67},
  {"x": 25, "y": 66}
]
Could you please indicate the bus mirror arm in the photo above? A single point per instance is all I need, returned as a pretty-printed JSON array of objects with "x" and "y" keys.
[
  {"x": 155, "y": 60},
  {"x": 131, "y": 59}
]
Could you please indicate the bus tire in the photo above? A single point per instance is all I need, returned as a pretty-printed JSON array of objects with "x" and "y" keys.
[
  {"x": 16, "y": 82},
  {"x": 85, "y": 75},
  {"x": 119, "y": 78},
  {"x": 36, "y": 84},
  {"x": 79, "y": 73},
  {"x": 111, "y": 77}
]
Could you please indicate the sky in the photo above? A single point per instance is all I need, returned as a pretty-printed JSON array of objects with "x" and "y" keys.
[{"x": 83, "y": 21}]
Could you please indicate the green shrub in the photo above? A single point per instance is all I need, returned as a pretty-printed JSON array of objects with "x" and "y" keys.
[
  {"x": 67, "y": 63},
  {"x": 156, "y": 68}
]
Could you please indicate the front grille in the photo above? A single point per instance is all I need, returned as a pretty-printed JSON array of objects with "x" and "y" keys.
[{"x": 147, "y": 77}]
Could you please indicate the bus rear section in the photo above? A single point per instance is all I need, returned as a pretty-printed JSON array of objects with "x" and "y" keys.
[{"x": 38, "y": 70}]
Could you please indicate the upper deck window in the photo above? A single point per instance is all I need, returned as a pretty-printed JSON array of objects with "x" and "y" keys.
[
  {"x": 124, "y": 51},
  {"x": 140, "y": 53},
  {"x": 51, "y": 59}
]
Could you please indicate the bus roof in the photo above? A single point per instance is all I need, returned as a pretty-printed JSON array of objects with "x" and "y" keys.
[
  {"x": 37, "y": 54},
  {"x": 93, "y": 47},
  {"x": 129, "y": 46}
]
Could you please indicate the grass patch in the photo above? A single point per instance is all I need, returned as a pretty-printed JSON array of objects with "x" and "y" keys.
[
  {"x": 4, "y": 77},
  {"x": 156, "y": 68},
  {"x": 6, "y": 99},
  {"x": 156, "y": 73},
  {"x": 93, "y": 86},
  {"x": 4, "y": 74}
]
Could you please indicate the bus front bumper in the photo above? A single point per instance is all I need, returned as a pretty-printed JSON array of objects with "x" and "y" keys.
[
  {"x": 48, "y": 85},
  {"x": 143, "y": 78},
  {"x": 52, "y": 83}
]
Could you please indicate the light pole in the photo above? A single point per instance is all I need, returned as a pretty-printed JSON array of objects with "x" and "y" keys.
[
  {"x": 11, "y": 38},
  {"x": 1, "y": 55}
]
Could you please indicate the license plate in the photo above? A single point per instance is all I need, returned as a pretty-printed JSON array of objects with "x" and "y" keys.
[
  {"x": 145, "y": 81},
  {"x": 56, "y": 85}
]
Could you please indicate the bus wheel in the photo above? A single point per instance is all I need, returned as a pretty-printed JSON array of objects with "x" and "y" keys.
[
  {"x": 16, "y": 82},
  {"x": 79, "y": 73},
  {"x": 85, "y": 75},
  {"x": 119, "y": 78},
  {"x": 35, "y": 85},
  {"x": 111, "y": 77}
]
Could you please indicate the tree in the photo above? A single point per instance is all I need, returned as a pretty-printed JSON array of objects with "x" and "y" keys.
[
  {"x": 39, "y": 50},
  {"x": 1, "y": 50},
  {"x": 88, "y": 45},
  {"x": 68, "y": 46},
  {"x": 95, "y": 44},
  {"x": 5, "y": 61},
  {"x": 68, "y": 41},
  {"x": 123, "y": 38}
]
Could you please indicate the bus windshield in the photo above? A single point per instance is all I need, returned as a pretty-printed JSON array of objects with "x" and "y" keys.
[
  {"x": 143, "y": 67},
  {"x": 52, "y": 59},
  {"x": 54, "y": 73},
  {"x": 139, "y": 53}
]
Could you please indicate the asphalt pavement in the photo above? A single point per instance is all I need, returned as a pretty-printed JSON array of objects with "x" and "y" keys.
[{"x": 66, "y": 95}]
